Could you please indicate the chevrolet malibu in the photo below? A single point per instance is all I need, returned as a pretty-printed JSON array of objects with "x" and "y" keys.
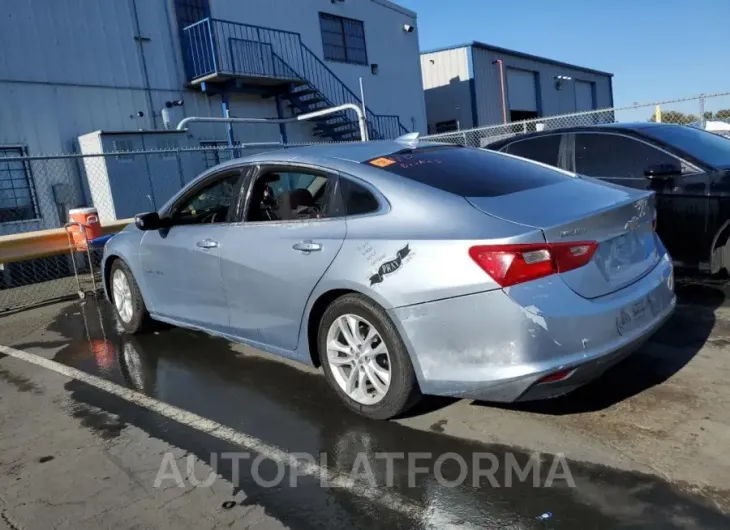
[{"x": 403, "y": 268}]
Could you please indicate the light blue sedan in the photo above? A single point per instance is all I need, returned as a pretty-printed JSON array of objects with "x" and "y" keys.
[{"x": 403, "y": 268}]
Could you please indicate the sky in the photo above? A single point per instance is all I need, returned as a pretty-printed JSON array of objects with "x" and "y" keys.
[{"x": 657, "y": 49}]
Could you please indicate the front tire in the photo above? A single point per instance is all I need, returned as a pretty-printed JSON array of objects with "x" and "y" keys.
[
  {"x": 127, "y": 299},
  {"x": 364, "y": 358}
]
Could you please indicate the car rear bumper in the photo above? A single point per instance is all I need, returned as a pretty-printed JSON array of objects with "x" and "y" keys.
[{"x": 498, "y": 345}]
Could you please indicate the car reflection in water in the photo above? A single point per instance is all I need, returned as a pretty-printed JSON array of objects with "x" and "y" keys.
[{"x": 139, "y": 371}]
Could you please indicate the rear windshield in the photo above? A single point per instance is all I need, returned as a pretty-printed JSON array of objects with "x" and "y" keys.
[{"x": 467, "y": 171}]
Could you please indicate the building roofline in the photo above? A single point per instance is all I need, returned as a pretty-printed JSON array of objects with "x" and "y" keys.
[
  {"x": 395, "y": 7},
  {"x": 490, "y": 47}
]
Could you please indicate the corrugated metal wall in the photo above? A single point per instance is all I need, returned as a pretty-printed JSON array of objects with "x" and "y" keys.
[
  {"x": 446, "y": 84},
  {"x": 69, "y": 67},
  {"x": 72, "y": 66},
  {"x": 550, "y": 100},
  {"x": 396, "y": 88}
]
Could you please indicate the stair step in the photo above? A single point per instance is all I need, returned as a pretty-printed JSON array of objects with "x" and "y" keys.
[
  {"x": 338, "y": 125},
  {"x": 304, "y": 91},
  {"x": 339, "y": 132},
  {"x": 311, "y": 105}
]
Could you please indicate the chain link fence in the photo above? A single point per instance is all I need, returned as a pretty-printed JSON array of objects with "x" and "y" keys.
[
  {"x": 36, "y": 192},
  {"x": 710, "y": 112}
]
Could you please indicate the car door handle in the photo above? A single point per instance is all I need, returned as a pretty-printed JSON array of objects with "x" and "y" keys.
[
  {"x": 307, "y": 246},
  {"x": 207, "y": 244}
]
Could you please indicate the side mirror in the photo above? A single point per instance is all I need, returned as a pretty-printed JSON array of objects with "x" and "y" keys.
[
  {"x": 150, "y": 221},
  {"x": 663, "y": 171}
]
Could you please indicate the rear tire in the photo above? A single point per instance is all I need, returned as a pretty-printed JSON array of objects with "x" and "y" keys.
[
  {"x": 381, "y": 352},
  {"x": 126, "y": 298}
]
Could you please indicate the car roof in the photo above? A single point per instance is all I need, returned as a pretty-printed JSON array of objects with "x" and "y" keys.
[
  {"x": 352, "y": 152},
  {"x": 635, "y": 127}
]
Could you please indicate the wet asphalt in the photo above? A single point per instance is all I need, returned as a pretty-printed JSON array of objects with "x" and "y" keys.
[{"x": 294, "y": 410}]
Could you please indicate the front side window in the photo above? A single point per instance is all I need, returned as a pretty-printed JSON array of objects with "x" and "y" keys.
[
  {"x": 209, "y": 204},
  {"x": 545, "y": 149},
  {"x": 288, "y": 196},
  {"x": 343, "y": 39},
  {"x": 16, "y": 194},
  {"x": 613, "y": 155},
  {"x": 710, "y": 148}
]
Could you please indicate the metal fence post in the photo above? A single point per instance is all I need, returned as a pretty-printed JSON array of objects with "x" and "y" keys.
[{"x": 702, "y": 111}]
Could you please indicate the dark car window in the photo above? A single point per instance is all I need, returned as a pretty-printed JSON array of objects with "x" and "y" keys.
[
  {"x": 288, "y": 196},
  {"x": 467, "y": 171},
  {"x": 612, "y": 155},
  {"x": 357, "y": 199},
  {"x": 543, "y": 149},
  {"x": 209, "y": 204},
  {"x": 710, "y": 148}
]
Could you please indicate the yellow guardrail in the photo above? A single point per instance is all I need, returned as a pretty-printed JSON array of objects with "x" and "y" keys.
[{"x": 43, "y": 243}]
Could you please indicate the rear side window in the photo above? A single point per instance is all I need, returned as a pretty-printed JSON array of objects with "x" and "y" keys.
[
  {"x": 467, "y": 171},
  {"x": 543, "y": 149},
  {"x": 357, "y": 199},
  {"x": 611, "y": 155}
]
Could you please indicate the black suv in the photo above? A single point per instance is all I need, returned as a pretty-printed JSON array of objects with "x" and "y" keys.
[{"x": 688, "y": 168}]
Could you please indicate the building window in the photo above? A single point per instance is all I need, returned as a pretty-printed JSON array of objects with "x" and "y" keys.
[
  {"x": 447, "y": 126},
  {"x": 343, "y": 39},
  {"x": 17, "y": 200}
]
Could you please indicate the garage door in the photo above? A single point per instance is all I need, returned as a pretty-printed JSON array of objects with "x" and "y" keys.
[
  {"x": 583, "y": 96},
  {"x": 521, "y": 90}
]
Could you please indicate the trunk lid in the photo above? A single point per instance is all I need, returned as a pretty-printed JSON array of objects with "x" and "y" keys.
[{"x": 583, "y": 209}]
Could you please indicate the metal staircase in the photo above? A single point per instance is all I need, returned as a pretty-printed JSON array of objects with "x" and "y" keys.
[{"x": 230, "y": 56}]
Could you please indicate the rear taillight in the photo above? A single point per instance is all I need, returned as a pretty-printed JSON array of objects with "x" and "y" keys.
[{"x": 513, "y": 264}]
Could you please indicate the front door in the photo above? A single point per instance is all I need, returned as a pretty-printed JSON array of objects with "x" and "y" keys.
[
  {"x": 181, "y": 264},
  {"x": 272, "y": 261},
  {"x": 681, "y": 201}
]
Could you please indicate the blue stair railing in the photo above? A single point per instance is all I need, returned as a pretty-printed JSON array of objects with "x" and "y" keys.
[{"x": 218, "y": 47}]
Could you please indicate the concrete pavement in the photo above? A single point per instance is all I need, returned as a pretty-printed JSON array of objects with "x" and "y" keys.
[{"x": 646, "y": 444}]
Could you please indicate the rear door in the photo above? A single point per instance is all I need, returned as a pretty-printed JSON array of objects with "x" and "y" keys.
[
  {"x": 681, "y": 202},
  {"x": 272, "y": 260}
]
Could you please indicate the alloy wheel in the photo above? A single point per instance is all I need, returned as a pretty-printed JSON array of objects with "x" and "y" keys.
[
  {"x": 122, "y": 295},
  {"x": 358, "y": 358}
]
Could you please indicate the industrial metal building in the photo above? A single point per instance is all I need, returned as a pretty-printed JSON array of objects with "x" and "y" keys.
[
  {"x": 476, "y": 84},
  {"x": 73, "y": 67}
]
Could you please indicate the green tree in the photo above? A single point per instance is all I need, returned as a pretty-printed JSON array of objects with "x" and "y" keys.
[
  {"x": 674, "y": 116},
  {"x": 723, "y": 114}
]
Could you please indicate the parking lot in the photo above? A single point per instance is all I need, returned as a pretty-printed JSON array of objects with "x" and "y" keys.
[{"x": 644, "y": 445}]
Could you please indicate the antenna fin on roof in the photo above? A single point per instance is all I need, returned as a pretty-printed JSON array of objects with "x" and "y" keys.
[{"x": 410, "y": 138}]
